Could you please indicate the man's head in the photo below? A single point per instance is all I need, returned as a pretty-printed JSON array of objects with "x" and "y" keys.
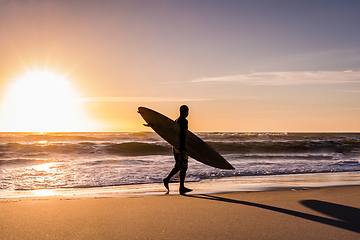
[{"x": 184, "y": 111}]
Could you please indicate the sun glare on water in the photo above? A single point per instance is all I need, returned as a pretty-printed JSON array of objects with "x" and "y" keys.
[{"x": 42, "y": 101}]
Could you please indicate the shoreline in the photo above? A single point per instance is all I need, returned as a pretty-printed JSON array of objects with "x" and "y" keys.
[{"x": 209, "y": 186}]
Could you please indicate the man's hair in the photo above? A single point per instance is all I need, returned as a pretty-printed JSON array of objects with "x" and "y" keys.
[{"x": 184, "y": 109}]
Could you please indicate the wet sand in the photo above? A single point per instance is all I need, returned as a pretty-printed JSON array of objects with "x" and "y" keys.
[{"x": 317, "y": 213}]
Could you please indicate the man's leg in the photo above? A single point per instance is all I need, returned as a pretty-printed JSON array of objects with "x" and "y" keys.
[
  {"x": 182, "y": 176},
  {"x": 171, "y": 174},
  {"x": 182, "y": 188}
]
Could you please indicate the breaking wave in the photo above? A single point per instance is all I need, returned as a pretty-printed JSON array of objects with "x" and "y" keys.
[{"x": 33, "y": 161}]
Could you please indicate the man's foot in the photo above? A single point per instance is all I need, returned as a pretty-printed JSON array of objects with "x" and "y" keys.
[
  {"x": 166, "y": 184},
  {"x": 184, "y": 190}
]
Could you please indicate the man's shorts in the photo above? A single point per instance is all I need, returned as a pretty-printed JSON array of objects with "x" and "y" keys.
[{"x": 181, "y": 160}]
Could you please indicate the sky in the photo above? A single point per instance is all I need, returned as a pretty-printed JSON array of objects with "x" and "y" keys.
[{"x": 243, "y": 66}]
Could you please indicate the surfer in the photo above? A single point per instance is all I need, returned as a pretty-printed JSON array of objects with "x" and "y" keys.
[{"x": 181, "y": 159}]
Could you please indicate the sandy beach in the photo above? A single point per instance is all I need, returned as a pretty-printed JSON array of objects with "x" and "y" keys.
[{"x": 316, "y": 213}]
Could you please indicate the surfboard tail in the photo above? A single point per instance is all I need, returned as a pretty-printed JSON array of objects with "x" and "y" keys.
[
  {"x": 224, "y": 164},
  {"x": 230, "y": 167}
]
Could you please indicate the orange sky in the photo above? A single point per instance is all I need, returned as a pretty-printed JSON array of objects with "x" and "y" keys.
[{"x": 239, "y": 65}]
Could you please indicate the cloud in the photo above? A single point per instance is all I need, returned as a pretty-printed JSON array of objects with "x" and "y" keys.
[
  {"x": 266, "y": 112},
  {"x": 350, "y": 91},
  {"x": 286, "y": 78},
  {"x": 140, "y": 99}
]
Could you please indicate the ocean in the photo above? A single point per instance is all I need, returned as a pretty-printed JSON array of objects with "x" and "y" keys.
[{"x": 33, "y": 161}]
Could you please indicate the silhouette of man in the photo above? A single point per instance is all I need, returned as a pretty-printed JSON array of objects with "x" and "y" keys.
[{"x": 181, "y": 159}]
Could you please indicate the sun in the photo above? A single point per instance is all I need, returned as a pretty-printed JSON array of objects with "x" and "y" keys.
[{"x": 42, "y": 101}]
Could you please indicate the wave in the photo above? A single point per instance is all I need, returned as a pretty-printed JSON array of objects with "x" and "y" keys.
[
  {"x": 74, "y": 137},
  {"x": 21, "y": 161},
  {"x": 31, "y": 161},
  {"x": 138, "y": 149},
  {"x": 350, "y": 163},
  {"x": 86, "y": 148},
  {"x": 261, "y": 149},
  {"x": 346, "y": 146}
]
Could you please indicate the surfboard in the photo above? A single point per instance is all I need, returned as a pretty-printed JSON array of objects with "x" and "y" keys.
[{"x": 196, "y": 148}]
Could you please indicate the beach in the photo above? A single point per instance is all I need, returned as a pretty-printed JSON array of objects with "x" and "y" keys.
[{"x": 312, "y": 213}]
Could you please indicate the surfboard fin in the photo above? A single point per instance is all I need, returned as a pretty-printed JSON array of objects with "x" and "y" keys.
[{"x": 148, "y": 125}]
